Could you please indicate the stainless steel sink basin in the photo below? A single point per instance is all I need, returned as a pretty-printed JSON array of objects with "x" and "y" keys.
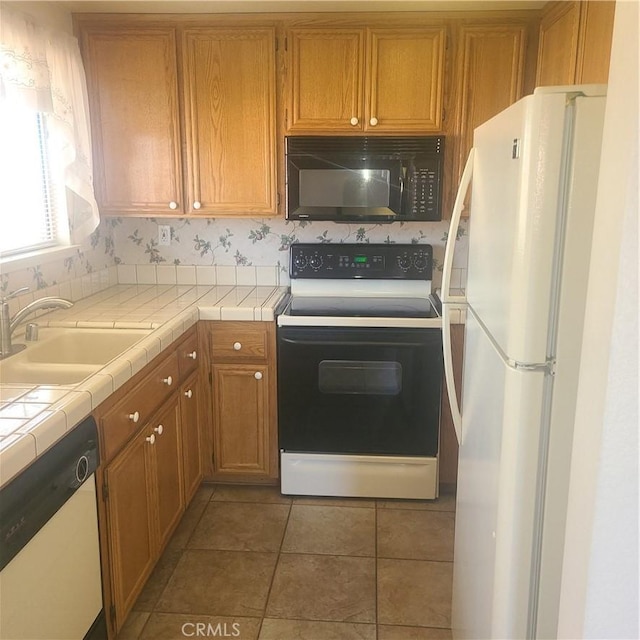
[{"x": 67, "y": 356}]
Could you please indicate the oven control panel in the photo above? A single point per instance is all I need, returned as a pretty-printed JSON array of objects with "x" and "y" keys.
[{"x": 373, "y": 261}]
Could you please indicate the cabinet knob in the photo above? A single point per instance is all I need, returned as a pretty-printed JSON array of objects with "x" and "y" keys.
[
  {"x": 237, "y": 346},
  {"x": 135, "y": 416},
  {"x": 173, "y": 205},
  {"x": 159, "y": 429},
  {"x": 354, "y": 121},
  {"x": 373, "y": 122},
  {"x": 193, "y": 355},
  {"x": 197, "y": 204},
  {"x": 168, "y": 381},
  {"x": 188, "y": 393},
  {"x": 151, "y": 439},
  {"x": 258, "y": 375}
]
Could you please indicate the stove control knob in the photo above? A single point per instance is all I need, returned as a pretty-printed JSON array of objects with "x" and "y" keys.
[
  {"x": 300, "y": 261},
  {"x": 315, "y": 262},
  {"x": 404, "y": 262},
  {"x": 420, "y": 262}
]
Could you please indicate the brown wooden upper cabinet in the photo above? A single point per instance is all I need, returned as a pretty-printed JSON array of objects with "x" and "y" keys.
[
  {"x": 230, "y": 100},
  {"x": 491, "y": 67},
  {"x": 227, "y": 83},
  {"x": 575, "y": 42},
  {"x": 374, "y": 80},
  {"x": 133, "y": 96}
]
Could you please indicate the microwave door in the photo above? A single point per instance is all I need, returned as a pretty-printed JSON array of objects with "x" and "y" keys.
[{"x": 344, "y": 188}]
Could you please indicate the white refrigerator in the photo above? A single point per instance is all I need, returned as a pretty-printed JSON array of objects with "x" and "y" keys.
[{"x": 533, "y": 172}]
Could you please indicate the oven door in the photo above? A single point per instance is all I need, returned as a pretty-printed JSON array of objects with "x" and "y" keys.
[{"x": 352, "y": 390}]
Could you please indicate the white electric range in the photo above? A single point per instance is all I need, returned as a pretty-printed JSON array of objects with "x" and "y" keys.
[{"x": 360, "y": 372}]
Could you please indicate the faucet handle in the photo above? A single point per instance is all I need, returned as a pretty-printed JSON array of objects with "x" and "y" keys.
[{"x": 15, "y": 293}]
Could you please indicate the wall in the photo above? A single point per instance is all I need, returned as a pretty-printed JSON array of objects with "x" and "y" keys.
[
  {"x": 265, "y": 242},
  {"x": 600, "y": 590}
]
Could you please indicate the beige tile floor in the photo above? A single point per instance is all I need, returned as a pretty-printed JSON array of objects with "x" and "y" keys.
[{"x": 249, "y": 563}]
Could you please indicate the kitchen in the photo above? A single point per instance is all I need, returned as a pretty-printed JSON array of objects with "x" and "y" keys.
[{"x": 202, "y": 250}]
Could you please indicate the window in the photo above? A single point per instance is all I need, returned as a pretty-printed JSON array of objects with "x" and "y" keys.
[
  {"x": 31, "y": 185},
  {"x": 45, "y": 146}
]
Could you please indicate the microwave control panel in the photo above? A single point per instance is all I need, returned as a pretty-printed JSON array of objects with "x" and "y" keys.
[
  {"x": 422, "y": 190},
  {"x": 374, "y": 261}
]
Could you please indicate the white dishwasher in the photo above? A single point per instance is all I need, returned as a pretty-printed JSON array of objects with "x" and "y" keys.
[{"x": 50, "y": 577}]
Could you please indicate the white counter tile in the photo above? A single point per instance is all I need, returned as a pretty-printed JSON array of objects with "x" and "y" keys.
[
  {"x": 8, "y": 393},
  {"x": 76, "y": 405},
  {"x": 8, "y": 426},
  {"x": 47, "y": 429},
  {"x": 16, "y": 453},
  {"x": 100, "y": 386},
  {"x": 37, "y": 416}
]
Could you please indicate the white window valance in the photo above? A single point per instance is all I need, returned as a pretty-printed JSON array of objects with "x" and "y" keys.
[{"x": 41, "y": 70}]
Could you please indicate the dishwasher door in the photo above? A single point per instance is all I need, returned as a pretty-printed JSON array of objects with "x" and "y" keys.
[{"x": 51, "y": 587}]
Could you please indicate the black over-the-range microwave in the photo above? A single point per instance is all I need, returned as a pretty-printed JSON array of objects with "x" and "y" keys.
[{"x": 364, "y": 178}]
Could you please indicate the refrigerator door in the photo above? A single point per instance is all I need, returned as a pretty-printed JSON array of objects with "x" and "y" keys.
[
  {"x": 517, "y": 192},
  {"x": 503, "y": 411}
]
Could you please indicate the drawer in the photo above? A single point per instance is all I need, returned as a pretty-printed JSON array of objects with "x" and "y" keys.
[
  {"x": 188, "y": 356},
  {"x": 239, "y": 341},
  {"x": 133, "y": 411}
]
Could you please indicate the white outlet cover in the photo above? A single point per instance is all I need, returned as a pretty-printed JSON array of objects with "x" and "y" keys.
[{"x": 164, "y": 235}]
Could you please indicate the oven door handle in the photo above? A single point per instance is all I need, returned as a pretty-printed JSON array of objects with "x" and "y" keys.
[{"x": 350, "y": 343}]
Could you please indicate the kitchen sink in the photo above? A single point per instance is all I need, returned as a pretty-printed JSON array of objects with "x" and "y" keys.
[{"x": 67, "y": 355}]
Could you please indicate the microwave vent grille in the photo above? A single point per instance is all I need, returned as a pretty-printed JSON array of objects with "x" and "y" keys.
[{"x": 418, "y": 145}]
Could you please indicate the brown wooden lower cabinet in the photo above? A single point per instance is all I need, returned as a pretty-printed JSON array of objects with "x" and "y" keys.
[
  {"x": 243, "y": 401},
  {"x": 448, "y": 456},
  {"x": 130, "y": 525},
  {"x": 151, "y": 466}
]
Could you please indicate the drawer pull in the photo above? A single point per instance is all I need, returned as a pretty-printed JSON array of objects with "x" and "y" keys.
[
  {"x": 258, "y": 375},
  {"x": 168, "y": 381},
  {"x": 151, "y": 439},
  {"x": 159, "y": 429},
  {"x": 135, "y": 416},
  {"x": 237, "y": 346},
  {"x": 193, "y": 355},
  {"x": 188, "y": 393}
]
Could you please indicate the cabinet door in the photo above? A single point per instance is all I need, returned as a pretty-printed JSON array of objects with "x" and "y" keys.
[
  {"x": 241, "y": 419},
  {"x": 167, "y": 450},
  {"x": 190, "y": 398},
  {"x": 558, "y": 44},
  {"x": 594, "y": 45},
  {"x": 490, "y": 74},
  {"x": 405, "y": 69},
  {"x": 130, "y": 523},
  {"x": 325, "y": 79},
  {"x": 229, "y": 92},
  {"x": 132, "y": 85}
]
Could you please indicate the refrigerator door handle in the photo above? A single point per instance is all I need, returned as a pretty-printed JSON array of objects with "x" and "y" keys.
[
  {"x": 448, "y": 299},
  {"x": 465, "y": 181}
]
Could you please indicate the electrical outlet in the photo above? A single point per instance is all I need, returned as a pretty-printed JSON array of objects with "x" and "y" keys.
[{"x": 164, "y": 235}]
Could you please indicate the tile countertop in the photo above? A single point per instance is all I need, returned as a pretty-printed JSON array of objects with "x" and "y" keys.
[{"x": 33, "y": 417}]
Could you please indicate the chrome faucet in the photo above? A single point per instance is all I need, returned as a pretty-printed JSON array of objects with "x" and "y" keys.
[{"x": 8, "y": 324}]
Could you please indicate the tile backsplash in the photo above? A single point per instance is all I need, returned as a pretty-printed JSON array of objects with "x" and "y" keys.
[{"x": 209, "y": 251}]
